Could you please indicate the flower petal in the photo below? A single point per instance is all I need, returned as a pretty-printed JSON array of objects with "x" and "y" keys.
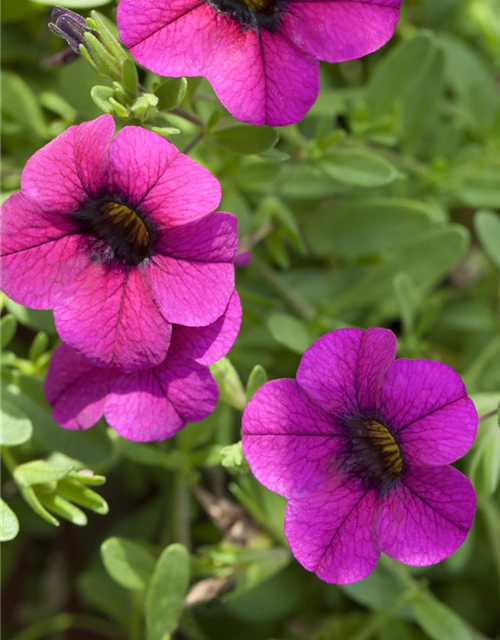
[
  {"x": 260, "y": 78},
  {"x": 208, "y": 344},
  {"x": 113, "y": 320},
  {"x": 72, "y": 168},
  {"x": 341, "y": 30},
  {"x": 40, "y": 255},
  {"x": 151, "y": 175},
  {"x": 212, "y": 238},
  {"x": 427, "y": 516},
  {"x": 154, "y": 404},
  {"x": 289, "y": 442},
  {"x": 191, "y": 293},
  {"x": 425, "y": 403},
  {"x": 344, "y": 370},
  {"x": 332, "y": 533},
  {"x": 76, "y": 389}
]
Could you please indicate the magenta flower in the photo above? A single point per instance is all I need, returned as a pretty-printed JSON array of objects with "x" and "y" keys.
[
  {"x": 117, "y": 236},
  {"x": 359, "y": 444},
  {"x": 261, "y": 56},
  {"x": 146, "y": 405}
]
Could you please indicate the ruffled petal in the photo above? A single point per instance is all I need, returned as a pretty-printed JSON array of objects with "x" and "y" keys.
[
  {"x": 341, "y": 30},
  {"x": 208, "y": 344},
  {"x": 344, "y": 370},
  {"x": 425, "y": 403},
  {"x": 113, "y": 320},
  {"x": 72, "y": 169},
  {"x": 426, "y": 517},
  {"x": 164, "y": 185},
  {"x": 289, "y": 442},
  {"x": 76, "y": 389},
  {"x": 331, "y": 533},
  {"x": 40, "y": 254},
  {"x": 191, "y": 293}
]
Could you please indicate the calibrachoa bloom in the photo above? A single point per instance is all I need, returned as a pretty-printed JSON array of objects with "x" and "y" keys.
[
  {"x": 359, "y": 444},
  {"x": 146, "y": 405},
  {"x": 117, "y": 236},
  {"x": 261, "y": 56}
]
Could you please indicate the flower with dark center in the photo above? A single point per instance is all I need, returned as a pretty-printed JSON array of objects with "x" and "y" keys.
[
  {"x": 261, "y": 56},
  {"x": 360, "y": 445},
  {"x": 119, "y": 237}
]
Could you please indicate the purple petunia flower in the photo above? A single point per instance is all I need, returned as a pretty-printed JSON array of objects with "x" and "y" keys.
[
  {"x": 151, "y": 404},
  {"x": 117, "y": 236},
  {"x": 261, "y": 56},
  {"x": 359, "y": 444}
]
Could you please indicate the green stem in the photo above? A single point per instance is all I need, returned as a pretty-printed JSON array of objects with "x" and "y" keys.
[
  {"x": 65, "y": 622},
  {"x": 487, "y": 416},
  {"x": 9, "y": 460},
  {"x": 298, "y": 304},
  {"x": 188, "y": 116},
  {"x": 135, "y": 630},
  {"x": 380, "y": 618},
  {"x": 194, "y": 142},
  {"x": 492, "y": 521}
]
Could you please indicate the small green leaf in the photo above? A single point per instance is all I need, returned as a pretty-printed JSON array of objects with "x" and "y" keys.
[
  {"x": 232, "y": 457},
  {"x": 246, "y": 139},
  {"x": 130, "y": 564},
  {"x": 358, "y": 168},
  {"x": 8, "y": 327},
  {"x": 63, "y": 508},
  {"x": 9, "y": 524},
  {"x": 289, "y": 332},
  {"x": 32, "y": 318},
  {"x": 38, "y": 346},
  {"x": 230, "y": 386},
  {"x": 40, "y": 472},
  {"x": 78, "y": 493},
  {"x": 256, "y": 379},
  {"x": 16, "y": 426},
  {"x": 166, "y": 593},
  {"x": 85, "y": 476},
  {"x": 145, "y": 107},
  {"x": 171, "y": 93},
  {"x": 487, "y": 225},
  {"x": 439, "y": 621},
  {"x": 403, "y": 288},
  {"x": 32, "y": 499},
  {"x": 101, "y": 96}
]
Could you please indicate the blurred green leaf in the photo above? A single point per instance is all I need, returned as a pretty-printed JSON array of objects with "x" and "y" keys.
[
  {"x": 76, "y": 4},
  {"x": 8, "y": 328},
  {"x": 63, "y": 508},
  {"x": 16, "y": 426},
  {"x": 439, "y": 621},
  {"x": 130, "y": 564},
  {"x": 73, "y": 490},
  {"x": 166, "y": 592},
  {"x": 9, "y": 524},
  {"x": 289, "y": 332},
  {"x": 32, "y": 318},
  {"x": 21, "y": 104},
  {"x": 358, "y": 168},
  {"x": 246, "y": 139},
  {"x": 256, "y": 379},
  {"x": 171, "y": 93},
  {"x": 230, "y": 385},
  {"x": 487, "y": 225},
  {"x": 40, "y": 472}
]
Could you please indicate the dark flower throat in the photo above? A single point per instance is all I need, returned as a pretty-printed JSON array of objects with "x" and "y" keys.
[
  {"x": 255, "y": 14},
  {"x": 124, "y": 231}
]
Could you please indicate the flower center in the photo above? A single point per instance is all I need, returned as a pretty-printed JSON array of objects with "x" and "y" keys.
[
  {"x": 120, "y": 227},
  {"x": 374, "y": 454},
  {"x": 255, "y": 14}
]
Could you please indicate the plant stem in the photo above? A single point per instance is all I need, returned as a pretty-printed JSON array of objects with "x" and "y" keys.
[
  {"x": 194, "y": 142},
  {"x": 487, "y": 416},
  {"x": 188, "y": 116},
  {"x": 9, "y": 460}
]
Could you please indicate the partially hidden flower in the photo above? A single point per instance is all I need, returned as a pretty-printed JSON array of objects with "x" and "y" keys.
[
  {"x": 261, "y": 56},
  {"x": 119, "y": 237},
  {"x": 360, "y": 445},
  {"x": 147, "y": 405},
  {"x": 70, "y": 26}
]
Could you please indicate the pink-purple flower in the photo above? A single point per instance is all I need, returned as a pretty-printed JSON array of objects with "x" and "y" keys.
[
  {"x": 261, "y": 56},
  {"x": 151, "y": 404},
  {"x": 118, "y": 236},
  {"x": 359, "y": 443}
]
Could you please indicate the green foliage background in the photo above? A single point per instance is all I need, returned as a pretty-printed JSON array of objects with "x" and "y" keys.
[{"x": 381, "y": 208}]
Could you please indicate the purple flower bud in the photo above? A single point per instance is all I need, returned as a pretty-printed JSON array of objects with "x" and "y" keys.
[{"x": 70, "y": 26}]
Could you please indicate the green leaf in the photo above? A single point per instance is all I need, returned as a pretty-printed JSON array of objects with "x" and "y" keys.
[
  {"x": 73, "y": 490},
  {"x": 289, "y": 332},
  {"x": 256, "y": 379},
  {"x": 439, "y": 621},
  {"x": 8, "y": 327},
  {"x": 171, "y": 93},
  {"x": 487, "y": 226},
  {"x": 62, "y": 508},
  {"x": 21, "y": 104},
  {"x": 166, "y": 593},
  {"x": 403, "y": 288},
  {"x": 16, "y": 426},
  {"x": 76, "y": 4},
  {"x": 40, "y": 472},
  {"x": 32, "y": 318},
  {"x": 246, "y": 139},
  {"x": 9, "y": 524},
  {"x": 38, "y": 346},
  {"x": 363, "y": 227},
  {"x": 394, "y": 77},
  {"x": 358, "y": 168},
  {"x": 101, "y": 96},
  {"x": 230, "y": 385},
  {"x": 130, "y": 564},
  {"x": 32, "y": 499}
]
